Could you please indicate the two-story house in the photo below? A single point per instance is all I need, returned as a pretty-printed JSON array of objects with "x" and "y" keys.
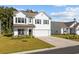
[{"x": 31, "y": 23}]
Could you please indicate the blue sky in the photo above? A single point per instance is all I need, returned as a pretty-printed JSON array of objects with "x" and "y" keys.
[{"x": 57, "y": 12}]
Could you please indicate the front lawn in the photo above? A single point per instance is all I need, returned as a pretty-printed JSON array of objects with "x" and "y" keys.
[
  {"x": 11, "y": 45},
  {"x": 68, "y": 36}
]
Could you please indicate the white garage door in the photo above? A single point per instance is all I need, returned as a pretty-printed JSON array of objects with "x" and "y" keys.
[{"x": 41, "y": 33}]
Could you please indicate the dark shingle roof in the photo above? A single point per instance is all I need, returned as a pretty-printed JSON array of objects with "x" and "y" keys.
[
  {"x": 59, "y": 24},
  {"x": 64, "y": 24},
  {"x": 68, "y": 23}
]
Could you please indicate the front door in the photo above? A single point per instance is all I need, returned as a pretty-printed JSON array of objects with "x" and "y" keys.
[
  {"x": 30, "y": 31},
  {"x": 20, "y": 31}
]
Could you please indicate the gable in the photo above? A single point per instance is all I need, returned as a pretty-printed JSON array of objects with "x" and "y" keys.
[
  {"x": 20, "y": 14},
  {"x": 73, "y": 24},
  {"x": 42, "y": 15}
]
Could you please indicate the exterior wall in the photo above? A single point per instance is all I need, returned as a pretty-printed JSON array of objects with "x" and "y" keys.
[
  {"x": 19, "y": 14},
  {"x": 77, "y": 30},
  {"x": 65, "y": 30},
  {"x": 55, "y": 29},
  {"x": 15, "y": 32},
  {"x": 42, "y": 29},
  {"x": 62, "y": 31},
  {"x": 26, "y": 31}
]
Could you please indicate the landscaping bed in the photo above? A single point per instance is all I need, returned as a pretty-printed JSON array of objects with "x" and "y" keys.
[
  {"x": 68, "y": 36},
  {"x": 12, "y": 45}
]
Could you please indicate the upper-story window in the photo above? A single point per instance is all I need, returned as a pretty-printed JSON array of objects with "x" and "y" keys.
[
  {"x": 46, "y": 22},
  {"x": 30, "y": 20},
  {"x": 20, "y": 20},
  {"x": 23, "y": 20},
  {"x": 38, "y": 21}
]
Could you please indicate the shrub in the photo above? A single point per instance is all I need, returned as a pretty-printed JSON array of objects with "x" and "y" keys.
[
  {"x": 22, "y": 37},
  {"x": 8, "y": 35},
  {"x": 24, "y": 40},
  {"x": 68, "y": 36}
]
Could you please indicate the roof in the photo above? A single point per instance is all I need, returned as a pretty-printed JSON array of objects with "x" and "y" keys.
[
  {"x": 64, "y": 24},
  {"x": 59, "y": 24},
  {"x": 23, "y": 25},
  {"x": 27, "y": 13},
  {"x": 76, "y": 25},
  {"x": 68, "y": 23}
]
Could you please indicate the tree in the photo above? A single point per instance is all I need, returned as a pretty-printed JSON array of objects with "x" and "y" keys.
[{"x": 6, "y": 16}]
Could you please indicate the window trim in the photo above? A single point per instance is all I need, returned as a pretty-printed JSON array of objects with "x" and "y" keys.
[
  {"x": 45, "y": 21},
  {"x": 37, "y": 21},
  {"x": 20, "y": 20}
]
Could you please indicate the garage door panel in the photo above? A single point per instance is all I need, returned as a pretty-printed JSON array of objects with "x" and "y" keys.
[{"x": 41, "y": 32}]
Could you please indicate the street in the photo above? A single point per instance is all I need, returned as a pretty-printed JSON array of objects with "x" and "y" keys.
[{"x": 67, "y": 50}]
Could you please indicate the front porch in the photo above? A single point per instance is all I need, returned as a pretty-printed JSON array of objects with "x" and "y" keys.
[{"x": 21, "y": 30}]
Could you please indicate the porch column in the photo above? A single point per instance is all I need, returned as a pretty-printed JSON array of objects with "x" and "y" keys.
[{"x": 28, "y": 31}]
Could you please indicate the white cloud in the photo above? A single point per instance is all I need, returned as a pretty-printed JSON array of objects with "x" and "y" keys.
[{"x": 69, "y": 13}]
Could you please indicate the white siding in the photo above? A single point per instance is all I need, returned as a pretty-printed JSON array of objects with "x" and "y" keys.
[
  {"x": 42, "y": 29},
  {"x": 20, "y": 14},
  {"x": 15, "y": 32},
  {"x": 39, "y": 29},
  {"x": 41, "y": 32},
  {"x": 77, "y": 30},
  {"x": 62, "y": 32}
]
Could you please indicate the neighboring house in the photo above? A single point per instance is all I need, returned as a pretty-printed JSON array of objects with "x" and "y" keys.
[
  {"x": 31, "y": 23},
  {"x": 65, "y": 27}
]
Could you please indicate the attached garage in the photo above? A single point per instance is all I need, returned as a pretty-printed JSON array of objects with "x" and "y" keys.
[{"x": 41, "y": 32}]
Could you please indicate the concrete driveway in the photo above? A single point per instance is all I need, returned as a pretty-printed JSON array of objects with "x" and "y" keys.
[
  {"x": 63, "y": 46},
  {"x": 59, "y": 42}
]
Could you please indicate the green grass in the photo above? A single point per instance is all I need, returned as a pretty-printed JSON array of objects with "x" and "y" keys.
[
  {"x": 68, "y": 36},
  {"x": 11, "y": 45}
]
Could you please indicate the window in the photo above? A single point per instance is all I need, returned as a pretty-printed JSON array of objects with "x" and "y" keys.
[
  {"x": 20, "y": 20},
  {"x": 30, "y": 20},
  {"x": 65, "y": 29},
  {"x": 46, "y": 22},
  {"x": 37, "y": 21}
]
